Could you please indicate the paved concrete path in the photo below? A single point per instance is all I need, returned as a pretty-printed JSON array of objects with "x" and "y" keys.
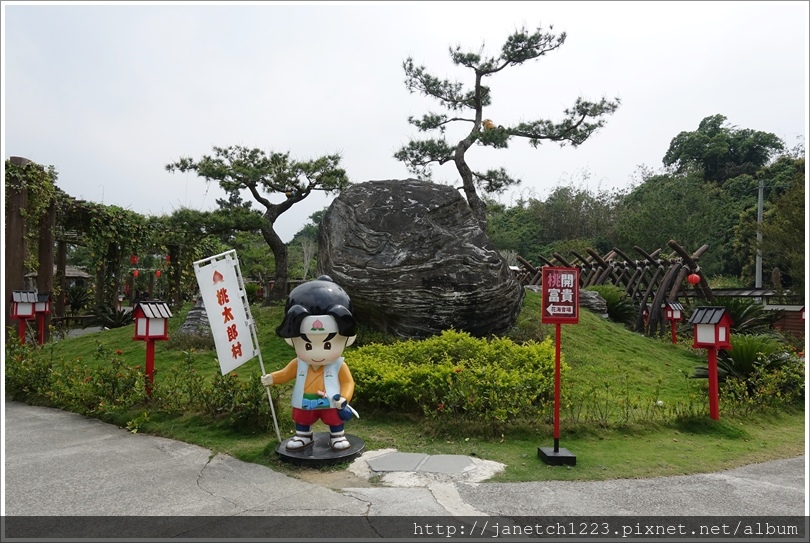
[{"x": 62, "y": 464}]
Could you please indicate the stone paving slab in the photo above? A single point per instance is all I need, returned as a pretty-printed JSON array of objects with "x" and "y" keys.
[
  {"x": 446, "y": 463},
  {"x": 397, "y": 461}
]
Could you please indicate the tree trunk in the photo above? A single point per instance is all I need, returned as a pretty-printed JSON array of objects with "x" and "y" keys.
[
  {"x": 15, "y": 243},
  {"x": 47, "y": 224},
  {"x": 279, "y": 290},
  {"x": 477, "y": 205}
]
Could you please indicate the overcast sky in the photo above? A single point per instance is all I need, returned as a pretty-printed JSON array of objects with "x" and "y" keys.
[{"x": 109, "y": 94}]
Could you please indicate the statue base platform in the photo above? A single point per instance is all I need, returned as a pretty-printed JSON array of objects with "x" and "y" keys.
[{"x": 320, "y": 453}]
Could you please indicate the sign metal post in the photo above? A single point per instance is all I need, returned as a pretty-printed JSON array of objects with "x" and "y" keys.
[{"x": 560, "y": 305}]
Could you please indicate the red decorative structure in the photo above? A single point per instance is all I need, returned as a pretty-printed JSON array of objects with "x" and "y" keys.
[
  {"x": 23, "y": 304},
  {"x": 42, "y": 308},
  {"x": 151, "y": 324},
  {"x": 693, "y": 279},
  {"x": 712, "y": 332},
  {"x": 559, "y": 305},
  {"x": 674, "y": 314}
]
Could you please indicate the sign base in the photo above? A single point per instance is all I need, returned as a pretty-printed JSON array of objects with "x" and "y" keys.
[
  {"x": 562, "y": 457},
  {"x": 320, "y": 453}
]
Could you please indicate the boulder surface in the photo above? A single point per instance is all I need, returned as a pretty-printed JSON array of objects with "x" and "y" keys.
[{"x": 415, "y": 262}]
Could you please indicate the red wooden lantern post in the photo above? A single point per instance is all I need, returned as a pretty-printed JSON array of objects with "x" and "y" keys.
[
  {"x": 42, "y": 308},
  {"x": 712, "y": 332},
  {"x": 23, "y": 303},
  {"x": 674, "y": 313},
  {"x": 151, "y": 324}
]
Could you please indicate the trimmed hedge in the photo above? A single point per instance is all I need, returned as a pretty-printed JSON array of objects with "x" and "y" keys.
[{"x": 454, "y": 376}]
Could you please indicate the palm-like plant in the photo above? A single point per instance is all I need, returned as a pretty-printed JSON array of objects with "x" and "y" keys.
[
  {"x": 748, "y": 316},
  {"x": 620, "y": 308},
  {"x": 748, "y": 352},
  {"x": 112, "y": 318},
  {"x": 77, "y": 298}
]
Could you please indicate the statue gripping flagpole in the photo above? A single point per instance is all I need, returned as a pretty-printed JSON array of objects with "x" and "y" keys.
[{"x": 225, "y": 299}]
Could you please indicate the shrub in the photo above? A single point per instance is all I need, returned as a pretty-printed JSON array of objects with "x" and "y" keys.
[
  {"x": 748, "y": 351},
  {"x": 766, "y": 387},
  {"x": 78, "y": 298},
  {"x": 454, "y": 377},
  {"x": 252, "y": 291},
  {"x": 189, "y": 341},
  {"x": 112, "y": 318}
]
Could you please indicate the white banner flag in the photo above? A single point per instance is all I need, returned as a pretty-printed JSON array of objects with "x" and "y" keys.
[{"x": 226, "y": 302}]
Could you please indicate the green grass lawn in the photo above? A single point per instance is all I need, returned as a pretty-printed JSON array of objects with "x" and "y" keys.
[{"x": 611, "y": 417}]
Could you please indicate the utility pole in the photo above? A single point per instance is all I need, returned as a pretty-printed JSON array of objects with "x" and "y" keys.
[{"x": 758, "y": 279}]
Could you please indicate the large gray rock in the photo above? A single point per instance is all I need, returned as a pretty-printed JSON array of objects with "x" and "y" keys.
[
  {"x": 590, "y": 299},
  {"x": 415, "y": 262}
]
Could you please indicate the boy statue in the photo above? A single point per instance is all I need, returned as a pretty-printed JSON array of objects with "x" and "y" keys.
[{"x": 319, "y": 324}]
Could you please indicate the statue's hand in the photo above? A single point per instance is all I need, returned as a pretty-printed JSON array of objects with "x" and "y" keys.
[
  {"x": 345, "y": 411},
  {"x": 267, "y": 380}
]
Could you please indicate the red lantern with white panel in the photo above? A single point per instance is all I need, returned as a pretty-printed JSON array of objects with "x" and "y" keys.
[
  {"x": 151, "y": 323},
  {"x": 712, "y": 332},
  {"x": 23, "y": 304},
  {"x": 712, "y": 327},
  {"x": 43, "y": 305},
  {"x": 674, "y": 314},
  {"x": 151, "y": 320}
]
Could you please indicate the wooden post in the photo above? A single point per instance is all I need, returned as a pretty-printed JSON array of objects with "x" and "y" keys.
[
  {"x": 175, "y": 283},
  {"x": 47, "y": 224},
  {"x": 15, "y": 250},
  {"x": 150, "y": 365},
  {"x": 58, "y": 301},
  {"x": 714, "y": 395}
]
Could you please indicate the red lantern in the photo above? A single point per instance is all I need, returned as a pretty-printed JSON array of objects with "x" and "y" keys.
[
  {"x": 168, "y": 259},
  {"x": 157, "y": 273},
  {"x": 693, "y": 278},
  {"x": 134, "y": 273},
  {"x": 133, "y": 259}
]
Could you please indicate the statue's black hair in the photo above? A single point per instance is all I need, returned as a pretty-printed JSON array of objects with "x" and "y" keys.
[{"x": 321, "y": 296}]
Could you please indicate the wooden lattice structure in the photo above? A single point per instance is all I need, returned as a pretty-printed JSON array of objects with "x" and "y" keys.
[
  {"x": 65, "y": 222},
  {"x": 650, "y": 281}
]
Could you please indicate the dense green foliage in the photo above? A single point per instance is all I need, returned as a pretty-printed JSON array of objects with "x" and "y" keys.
[
  {"x": 680, "y": 205},
  {"x": 611, "y": 377},
  {"x": 38, "y": 182},
  {"x": 455, "y": 376},
  {"x": 720, "y": 151}
]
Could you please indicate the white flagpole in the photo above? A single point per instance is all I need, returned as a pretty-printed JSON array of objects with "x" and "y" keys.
[{"x": 255, "y": 338}]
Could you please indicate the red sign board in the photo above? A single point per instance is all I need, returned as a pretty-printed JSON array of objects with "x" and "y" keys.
[{"x": 560, "y": 295}]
